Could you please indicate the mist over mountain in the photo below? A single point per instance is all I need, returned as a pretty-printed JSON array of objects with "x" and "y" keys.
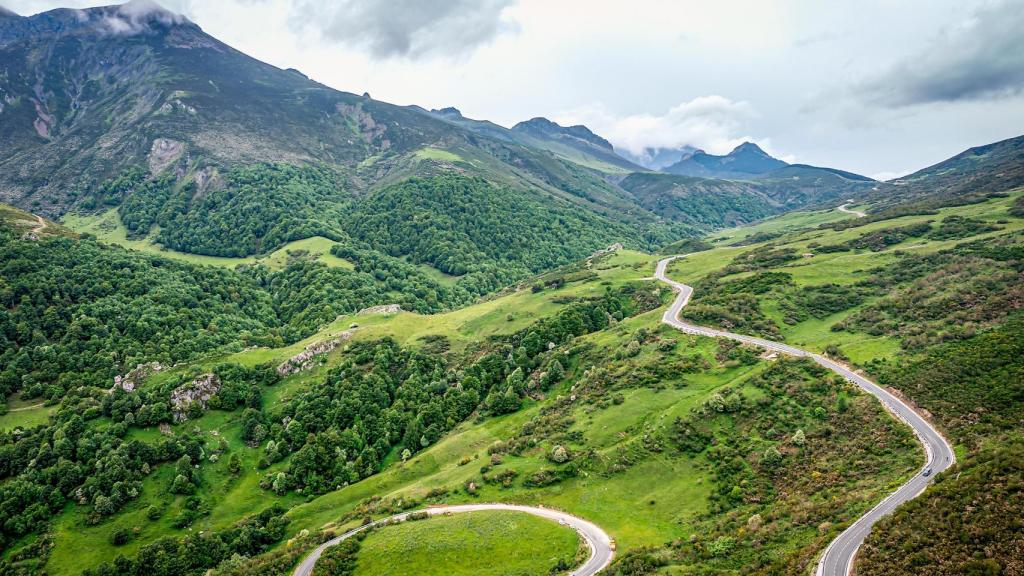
[{"x": 656, "y": 158}]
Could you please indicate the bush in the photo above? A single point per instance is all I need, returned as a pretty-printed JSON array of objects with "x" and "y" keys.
[{"x": 120, "y": 537}]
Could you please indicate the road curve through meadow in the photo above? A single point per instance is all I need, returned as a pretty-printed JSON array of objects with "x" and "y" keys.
[
  {"x": 837, "y": 559},
  {"x": 857, "y": 213},
  {"x": 601, "y": 550}
]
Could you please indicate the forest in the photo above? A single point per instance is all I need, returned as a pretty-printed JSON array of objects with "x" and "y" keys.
[
  {"x": 75, "y": 312},
  {"x": 385, "y": 398}
]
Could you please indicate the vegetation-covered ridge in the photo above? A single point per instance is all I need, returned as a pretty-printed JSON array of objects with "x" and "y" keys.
[
  {"x": 383, "y": 398},
  {"x": 75, "y": 312},
  {"x": 927, "y": 301}
]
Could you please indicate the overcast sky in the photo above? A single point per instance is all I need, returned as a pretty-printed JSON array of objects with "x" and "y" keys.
[{"x": 880, "y": 87}]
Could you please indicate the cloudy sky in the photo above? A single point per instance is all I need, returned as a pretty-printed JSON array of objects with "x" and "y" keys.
[{"x": 880, "y": 87}]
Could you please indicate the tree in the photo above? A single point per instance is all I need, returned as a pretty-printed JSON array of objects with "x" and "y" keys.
[
  {"x": 280, "y": 485},
  {"x": 235, "y": 464},
  {"x": 559, "y": 455},
  {"x": 799, "y": 438},
  {"x": 771, "y": 457},
  {"x": 554, "y": 374},
  {"x": 120, "y": 537},
  {"x": 182, "y": 485}
]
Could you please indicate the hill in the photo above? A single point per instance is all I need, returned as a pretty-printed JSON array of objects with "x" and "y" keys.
[
  {"x": 476, "y": 404},
  {"x": 977, "y": 171}
]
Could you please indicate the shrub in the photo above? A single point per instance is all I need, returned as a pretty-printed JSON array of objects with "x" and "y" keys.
[{"x": 120, "y": 537}]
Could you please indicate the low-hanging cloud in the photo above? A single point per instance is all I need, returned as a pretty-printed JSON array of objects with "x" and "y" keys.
[
  {"x": 712, "y": 123},
  {"x": 137, "y": 16},
  {"x": 405, "y": 28},
  {"x": 982, "y": 58}
]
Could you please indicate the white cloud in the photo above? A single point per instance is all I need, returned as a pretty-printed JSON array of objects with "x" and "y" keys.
[
  {"x": 979, "y": 58},
  {"x": 405, "y": 28},
  {"x": 712, "y": 123},
  {"x": 136, "y": 16}
]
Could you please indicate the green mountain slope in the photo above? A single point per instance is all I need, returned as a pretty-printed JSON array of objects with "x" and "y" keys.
[
  {"x": 984, "y": 169},
  {"x": 184, "y": 122},
  {"x": 656, "y": 435},
  {"x": 207, "y": 151}
]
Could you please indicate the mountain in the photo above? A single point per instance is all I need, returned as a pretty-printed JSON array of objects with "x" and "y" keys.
[
  {"x": 745, "y": 161},
  {"x": 983, "y": 169},
  {"x": 576, "y": 143},
  {"x": 718, "y": 202},
  {"x": 206, "y": 150},
  {"x": 202, "y": 149},
  {"x": 546, "y": 129},
  {"x": 656, "y": 158}
]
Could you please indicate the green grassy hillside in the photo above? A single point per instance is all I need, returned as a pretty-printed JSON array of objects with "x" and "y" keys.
[
  {"x": 926, "y": 301},
  {"x": 631, "y": 426},
  {"x": 568, "y": 392},
  {"x": 488, "y": 543}
]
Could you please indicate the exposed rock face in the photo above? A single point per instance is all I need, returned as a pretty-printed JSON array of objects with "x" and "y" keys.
[
  {"x": 136, "y": 376},
  {"x": 609, "y": 250},
  {"x": 164, "y": 153},
  {"x": 383, "y": 309},
  {"x": 197, "y": 391},
  {"x": 208, "y": 179},
  {"x": 307, "y": 358}
]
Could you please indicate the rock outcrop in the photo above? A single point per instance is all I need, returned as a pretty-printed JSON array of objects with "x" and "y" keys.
[
  {"x": 307, "y": 358},
  {"x": 163, "y": 153},
  {"x": 382, "y": 309},
  {"x": 136, "y": 376},
  {"x": 198, "y": 391}
]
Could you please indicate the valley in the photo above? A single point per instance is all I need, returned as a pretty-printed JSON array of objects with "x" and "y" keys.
[
  {"x": 254, "y": 325},
  {"x": 629, "y": 433}
]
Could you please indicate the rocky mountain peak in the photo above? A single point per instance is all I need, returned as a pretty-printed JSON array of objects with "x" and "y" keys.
[
  {"x": 449, "y": 112},
  {"x": 749, "y": 148},
  {"x": 543, "y": 127}
]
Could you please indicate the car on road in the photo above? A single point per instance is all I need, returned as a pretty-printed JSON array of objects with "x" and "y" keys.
[{"x": 927, "y": 472}]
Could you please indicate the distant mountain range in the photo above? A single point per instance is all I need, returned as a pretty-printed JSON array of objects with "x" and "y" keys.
[{"x": 136, "y": 108}]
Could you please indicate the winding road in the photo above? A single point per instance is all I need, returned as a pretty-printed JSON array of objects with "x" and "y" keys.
[
  {"x": 600, "y": 543},
  {"x": 837, "y": 560},
  {"x": 857, "y": 213}
]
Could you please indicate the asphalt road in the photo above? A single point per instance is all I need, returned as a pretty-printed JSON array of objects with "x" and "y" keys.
[
  {"x": 601, "y": 552},
  {"x": 837, "y": 560}
]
